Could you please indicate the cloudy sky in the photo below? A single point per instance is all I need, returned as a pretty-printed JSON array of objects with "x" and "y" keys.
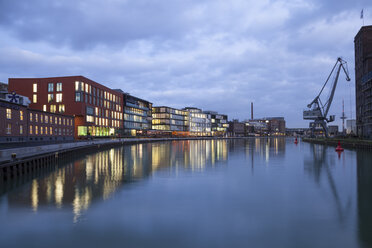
[{"x": 212, "y": 54}]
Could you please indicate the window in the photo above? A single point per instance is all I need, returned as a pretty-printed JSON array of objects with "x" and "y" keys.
[
  {"x": 34, "y": 88},
  {"x": 55, "y": 120},
  {"x": 90, "y": 118},
  {"x": 41, "y": 130},
  {"x": 36, "y": 130},
  {"x": 46, "y": 119},
  {"x": 60, "y": 121},
  {"x": 59, "y": 86},
  {"x": 61, "y": 108},
  {"x": 34, "y": 98},
  {"x": 20, "y": 129},
  {"x": 59, "y": 97},
  {"x": 36, "y": 118},
  {"x": 30, "y": 116},
  {"x": 46, "y": 130},
  {"x": 41, "y": 119},
  {"x": 50, "y": 130},
  {"x": 51, "y": 120},
  {"x": 77, "y": 97},
  {"x": 9, "y": 129},
  {"x": 77, "y": 86},
  {"x": 53, "y": 108},
  {"x": 44, "y": 108},
  {"x": 50, "y": 97},
  {"x": 8, "y": 114},
  {"x": 87, "y": 88},
  {"x": 30, "y": 129},
  {"x": 21, "y": 115},
  {"x": 50, "y": 87}
]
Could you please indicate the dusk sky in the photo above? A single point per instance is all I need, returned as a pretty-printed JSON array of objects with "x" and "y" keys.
[{"x": 214, "y": 55}]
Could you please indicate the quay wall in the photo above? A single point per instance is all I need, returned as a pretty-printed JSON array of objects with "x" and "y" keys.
[{"x": 345, "y": 143}]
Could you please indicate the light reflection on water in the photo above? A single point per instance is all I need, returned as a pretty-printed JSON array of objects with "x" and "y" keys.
[{"x": 259, "y": 191}]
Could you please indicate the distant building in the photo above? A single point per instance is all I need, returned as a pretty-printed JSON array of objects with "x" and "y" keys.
[
  {"x": 351, "y": 127},
  {"x": 3, "y": 87},
  {"x": 96, "y": 108},
  {"x": 199, "y": 122},
  {"x": 333, "y": 129},
  {"x": 219, "y": 123},
  {"x": 14, "y": 98},
  {"x": 171, "y": 120},
  {"x": 236, "y": 129},
  {"x": 363, "y": 81},
  {"x": 267, "y": 126}
]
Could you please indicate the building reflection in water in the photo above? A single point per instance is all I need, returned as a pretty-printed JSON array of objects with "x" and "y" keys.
[
  {"x": 78, "y": 183},
  {"x": 364, "y": 192}
]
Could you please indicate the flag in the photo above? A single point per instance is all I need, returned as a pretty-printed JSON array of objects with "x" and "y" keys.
[{"x": 361, "y": 14}]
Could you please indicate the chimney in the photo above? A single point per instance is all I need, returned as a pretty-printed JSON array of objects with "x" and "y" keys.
[{"x": 251, "y": 110}]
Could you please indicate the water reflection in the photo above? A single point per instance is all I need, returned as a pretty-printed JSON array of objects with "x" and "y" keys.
[
  {"x": 319, "y": 164},
  {"x": 364, "y": 176},
  {"x": 78, "y": 183}
]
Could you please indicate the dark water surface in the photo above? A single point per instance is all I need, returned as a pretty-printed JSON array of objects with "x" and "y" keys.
[{"x": 208, "y": 193}]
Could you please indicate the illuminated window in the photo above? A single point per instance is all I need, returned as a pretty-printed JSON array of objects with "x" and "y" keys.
[
  {"x": 44, "y": 108},
  {"x": 8, "y": 114},
  {"x": 77, "y": 97},
  {"x": 46, "y": 119},
  {"x": 60, "y": 121},
  {"x": 59, "y": 97},
  {"x": 30, "y": 116},
  {"x": 34, "y": 88},
  {"x": 20, "y": 129},
  {"x": 36, "y": 118},
  {"x": 90, "y": 118},
  {"x": 50, "y": 97},
  {"x": 36, "y": 130},
  {"x": 34, "y": 98},
  {"x": 30, "y": 129},
  {"x": 41, "y": 130},
  {"x": 50, "y": 87},
  {"x": 9, "y": 129},
  {"x": 61, "y": 108},
  {"x": 51, "y": 131},
  {"x": 87, "y": 88},
  {"x": 51, "y": 120},
  {"x": 59, "y": 87},
  {"x": 53, "y": 108},
  {"x": 41, "y": 119}
]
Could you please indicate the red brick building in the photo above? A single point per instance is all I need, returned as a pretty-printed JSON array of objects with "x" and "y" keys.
[
  {"x": 97, "y": 109},
  {"x": 20, "y": 124}
]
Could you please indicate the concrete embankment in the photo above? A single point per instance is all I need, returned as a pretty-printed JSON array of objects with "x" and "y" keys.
[
  {"x": 23, "y": 160},
  {"x": 345, "y": 143}
]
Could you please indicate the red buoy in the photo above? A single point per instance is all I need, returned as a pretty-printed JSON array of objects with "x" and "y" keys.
[
  {"x": 296, "y": 141},
  {"x": 339, "y": 148}
]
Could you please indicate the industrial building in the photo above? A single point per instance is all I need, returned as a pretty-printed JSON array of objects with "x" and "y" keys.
[{"x": 363, "y": 81}]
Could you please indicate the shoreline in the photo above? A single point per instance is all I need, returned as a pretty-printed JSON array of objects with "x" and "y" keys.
[{"x": 345, "y": 143}]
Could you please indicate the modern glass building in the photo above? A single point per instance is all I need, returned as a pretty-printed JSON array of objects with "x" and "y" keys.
[
  {"x": 199, "y": 122},
  {"x": 170, "y": 120},
  {"x": 137, "y": 115},
  {"x": 219, "y": 123}
]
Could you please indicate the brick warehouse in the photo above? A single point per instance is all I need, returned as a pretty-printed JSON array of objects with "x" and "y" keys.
[{"x": 97, "y": 110}]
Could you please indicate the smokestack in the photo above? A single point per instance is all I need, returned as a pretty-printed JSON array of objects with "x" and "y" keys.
[{"x": 251, "y": 110}]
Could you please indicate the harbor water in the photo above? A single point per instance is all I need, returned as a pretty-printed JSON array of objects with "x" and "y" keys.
[{"x": 253, "y": 192}]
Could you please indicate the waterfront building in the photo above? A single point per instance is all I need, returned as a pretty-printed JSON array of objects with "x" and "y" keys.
[
  {"x": 137, "y": 112},
  {"x": 199, "y": 122},
  {"x": 21, "y": 124},
  {"x": 267, "y": 126},
  {"x": 363, "y": 81},
  {"x": 170, "y": 120},
  {"x": 351, "y": 127},
  {"x": 333, "y": 129},
  {"x": 97, "y": 109},
  {"x": 236, "y": 129},
  {"x": 219, "y": 123}
]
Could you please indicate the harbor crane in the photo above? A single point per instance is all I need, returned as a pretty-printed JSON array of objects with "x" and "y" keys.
[{"x": 318, "y": 111}]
